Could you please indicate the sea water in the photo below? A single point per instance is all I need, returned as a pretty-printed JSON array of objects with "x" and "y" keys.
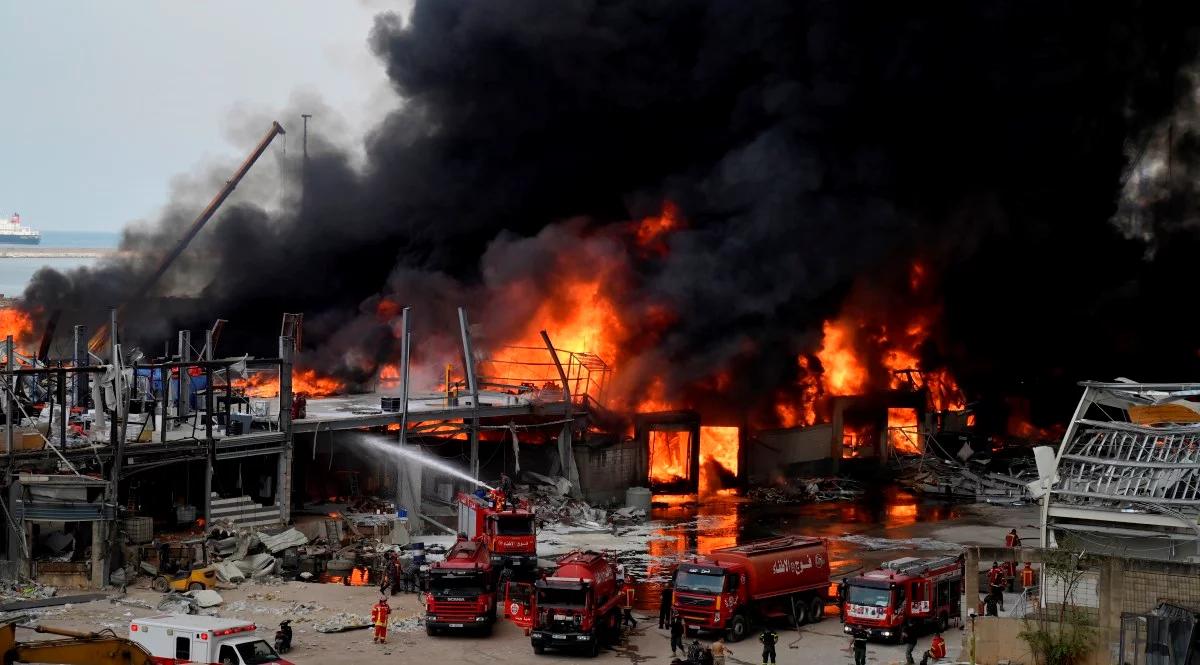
[{"x": 15, "y": 273}]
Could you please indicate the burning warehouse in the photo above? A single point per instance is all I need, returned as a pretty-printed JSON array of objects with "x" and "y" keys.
[{"x": 669, "y": 279}]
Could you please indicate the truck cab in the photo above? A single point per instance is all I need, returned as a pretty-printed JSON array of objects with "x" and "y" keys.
[
  {"x": 461, "y": 590},
  {"x": 182, "y": 638},
  {"x": 703, "y": 591}
]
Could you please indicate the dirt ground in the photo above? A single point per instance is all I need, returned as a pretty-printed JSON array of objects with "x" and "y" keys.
[{"x": 266, "y": 604}]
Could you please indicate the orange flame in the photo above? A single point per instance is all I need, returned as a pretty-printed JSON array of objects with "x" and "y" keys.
[
  {"x": 844, "y": 373},
  {"x": 652, "y": 231},
  {"x": 16, "y": 323},
  {"x": 307, "y": 381},
  {"x": 902, "y": 430},
  {"x": 358, "y": 576},
  {"x": 670, "y": 455},
  {"x": 718, "y": 445}
]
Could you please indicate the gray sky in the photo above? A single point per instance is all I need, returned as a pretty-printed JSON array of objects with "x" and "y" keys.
[{"x": 103, "y": 103}]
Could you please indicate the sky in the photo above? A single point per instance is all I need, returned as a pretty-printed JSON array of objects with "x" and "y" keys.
[{"x": 104, "y": 103}]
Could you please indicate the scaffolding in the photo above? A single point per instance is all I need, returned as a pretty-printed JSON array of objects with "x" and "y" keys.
[{"x": 533, "y": 369}]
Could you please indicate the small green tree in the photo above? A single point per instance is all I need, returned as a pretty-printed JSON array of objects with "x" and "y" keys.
[{"x": 1062, "y": 634}]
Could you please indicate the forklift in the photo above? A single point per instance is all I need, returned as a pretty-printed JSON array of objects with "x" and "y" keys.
[{"x": 182, "y": 566}]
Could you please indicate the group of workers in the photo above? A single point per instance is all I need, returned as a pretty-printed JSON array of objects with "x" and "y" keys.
[{"x": 1001, "y": 575}]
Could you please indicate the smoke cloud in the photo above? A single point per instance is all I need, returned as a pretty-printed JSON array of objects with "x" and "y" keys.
[{"x": 812, "y": 148}]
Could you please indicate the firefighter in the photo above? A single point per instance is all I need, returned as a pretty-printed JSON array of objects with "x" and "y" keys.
[
  {"x": 858, "y": 640},
  {"x": 677, "y": 635},
  {"x": 664, "y": 605},
  {"x": 506, "y": 574},
  {"x": 768, "y": 639},
  {"x": 996, "y": 583},
  {"x": 627, "y": 607},
  {"x": 379, "y": 617},
  {"x": 937, "y": 649},
  {"x": 989, "y": 606},
  {"x": 908, "y": 636},
  {"x": 506, "y": 484},
  {"x": 1012, "y": 539},
  {"x": 1027, "y": 575},
  {"x": 396, "y": 573},
  {"x": 385, "y": 574}
]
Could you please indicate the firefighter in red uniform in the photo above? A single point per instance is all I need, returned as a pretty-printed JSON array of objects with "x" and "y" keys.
[
  {"x": 1027, "y": 575},
  {"x": 996, "y": 583},
  {"x": 1011, "y": 540},
  {"x": 379, "y": 618}
]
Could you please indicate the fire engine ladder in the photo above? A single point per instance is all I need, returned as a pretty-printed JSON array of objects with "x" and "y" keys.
[{"x": 924, "y": 565}]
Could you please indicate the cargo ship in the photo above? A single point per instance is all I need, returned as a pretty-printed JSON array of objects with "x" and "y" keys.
[{"x": 11, "y": 231}]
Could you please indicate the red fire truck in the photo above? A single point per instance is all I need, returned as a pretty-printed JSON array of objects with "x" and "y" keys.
[
  {"x": 461, "y": 590},
  {"x": 183, "y": 638},
  {"x": 922, "y": 592},
  {"x": 578, "y": 606},
  {"x": 510, "y": 534},
  {"x": 730, "y": 588}
]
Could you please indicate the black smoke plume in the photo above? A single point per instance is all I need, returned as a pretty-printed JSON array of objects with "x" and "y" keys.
[{"x": 810, "y": 146}]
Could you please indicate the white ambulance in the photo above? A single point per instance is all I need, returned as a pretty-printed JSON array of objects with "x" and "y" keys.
[{"x": 176, "y": 639}]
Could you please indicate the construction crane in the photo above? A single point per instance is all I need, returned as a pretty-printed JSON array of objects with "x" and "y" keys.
[
  {"x": 78, "y": 648},
  {"x": 101, "y": 336}
]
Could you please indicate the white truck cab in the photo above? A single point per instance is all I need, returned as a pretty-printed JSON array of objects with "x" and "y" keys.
[{"x": 178, "y": 639}]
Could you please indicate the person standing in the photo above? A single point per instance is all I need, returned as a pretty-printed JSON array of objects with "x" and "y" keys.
[
  {"x": 379, "y": 617},
  {"x": 858, "y": 640},
  {"x": 908, "y": 635},
  {"x": 627, "y": 607},
  {"x": 996, "y": 583},
  {"x": 719, "y": 650},
  {"x": 768, "y": 639},
  {"x": 677, "y": 635},
  {"x": 664, "y": 606},
  {"x": 396, "y": 573}
]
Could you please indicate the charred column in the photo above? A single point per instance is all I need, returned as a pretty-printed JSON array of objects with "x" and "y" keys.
[
  {"x": 80, "y": 359},
  {"x": 283, "y": 489},
  {"x": 183, "y": 408}
]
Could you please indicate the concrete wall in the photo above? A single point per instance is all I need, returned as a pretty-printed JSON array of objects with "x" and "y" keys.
[
  {"x": 998, "y": 639},
  {"x": 774, "y": 450},
  {"x": 606, "y": 472}
]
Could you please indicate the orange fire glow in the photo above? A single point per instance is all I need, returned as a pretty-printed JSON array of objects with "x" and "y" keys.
[
  {"x": 718, "y": 445},
  {"x": 855, "y": 440},
  {"x": 16, "y": 323},
  {"x": 670, "y": 455},
  {"x": 307, "y": 381},
  {"x": 389, "y": 373},
  {"x": 652, "y": 230},
  {"x": 358, "y": 577},
  {"x": 844, "y": 372},
  {"x": 902, "y": 430}
]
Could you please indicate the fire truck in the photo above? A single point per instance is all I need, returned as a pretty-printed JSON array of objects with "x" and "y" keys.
[
  {"x": 578, "y": 606},
  {"x": 730, "y": 588},
  {"x": 181, "y": 638},
  {"x": 925, "y": 593},
  {"x": 461, "y": 590},
  {"x": 510, "y": 534}
]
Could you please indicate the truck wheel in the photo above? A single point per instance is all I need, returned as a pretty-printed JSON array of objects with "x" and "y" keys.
[
  {"x": 160, "y": 584},
  {"x": 486, "y": 631},
  {"x": 539, "y": 649},
  {"x": 816, "y": 609},
  {"x": 195, "y": 586},
  {"x": 739, "y": 627},
  {"x": 430, "y": 631},
  {"x": 689, "y": 631},
  {"x": 801, "y": 609},
  {"x": 943, "y": 622},
  {"x": 594, "y": 650}
]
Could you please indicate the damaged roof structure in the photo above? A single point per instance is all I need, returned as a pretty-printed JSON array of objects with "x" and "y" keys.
[{"x": 1126, "y": 479}]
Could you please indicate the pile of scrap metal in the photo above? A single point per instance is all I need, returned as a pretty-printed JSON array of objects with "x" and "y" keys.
[
  {"x": 1128, "y": 477},
  {"x": 968, "y": 474},
  {"x": 552, "y": 503},
  {"x": 808, "y": 490}
]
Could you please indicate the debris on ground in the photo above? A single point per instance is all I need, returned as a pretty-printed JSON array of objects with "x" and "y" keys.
[
  {"x": 27, "y": 590},
  {"x": 206, "y": 597},
  {"x": 342, "y": 622},
  {"x": 808, "y": 490}
]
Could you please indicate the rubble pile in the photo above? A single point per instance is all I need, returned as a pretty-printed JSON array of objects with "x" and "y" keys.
[
  {"x": 808, "y": 490},
  {"x": 25, "y": 590},
  {"x": 969, "y": 476}
]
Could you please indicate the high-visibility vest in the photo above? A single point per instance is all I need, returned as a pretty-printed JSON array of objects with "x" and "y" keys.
[
  {"x": 1027, "y": 576},
  {"x": 379, "y": 615}
]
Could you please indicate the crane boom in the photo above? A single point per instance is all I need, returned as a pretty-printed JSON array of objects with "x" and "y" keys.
[{"x": 82, "y": 649}]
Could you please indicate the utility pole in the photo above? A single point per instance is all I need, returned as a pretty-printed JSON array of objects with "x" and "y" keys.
[{"x": 306, "y": 116}]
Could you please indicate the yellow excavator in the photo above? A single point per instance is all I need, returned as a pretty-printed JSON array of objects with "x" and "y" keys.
[{"x": 77, "y": 647}]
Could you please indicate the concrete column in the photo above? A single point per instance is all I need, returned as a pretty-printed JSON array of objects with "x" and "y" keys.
[
  {"x": 81, "y": 359},
  {"x": 835, "y": 443},
  {"x": 970, "y": 581},
  {"x": 184, "y": 407},
  {"x": 283, "y": 484},
  {"x": 15, "y": 551},
  {"x": 99, "y": 561},
  {"x": 1112, "y": 596}
]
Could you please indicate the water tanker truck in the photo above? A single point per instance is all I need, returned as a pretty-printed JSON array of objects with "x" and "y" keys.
[
  {"x": 578, "y": 606},
  {"x": 731, "y": 588},
  {"x": 510, "y": 533}
]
